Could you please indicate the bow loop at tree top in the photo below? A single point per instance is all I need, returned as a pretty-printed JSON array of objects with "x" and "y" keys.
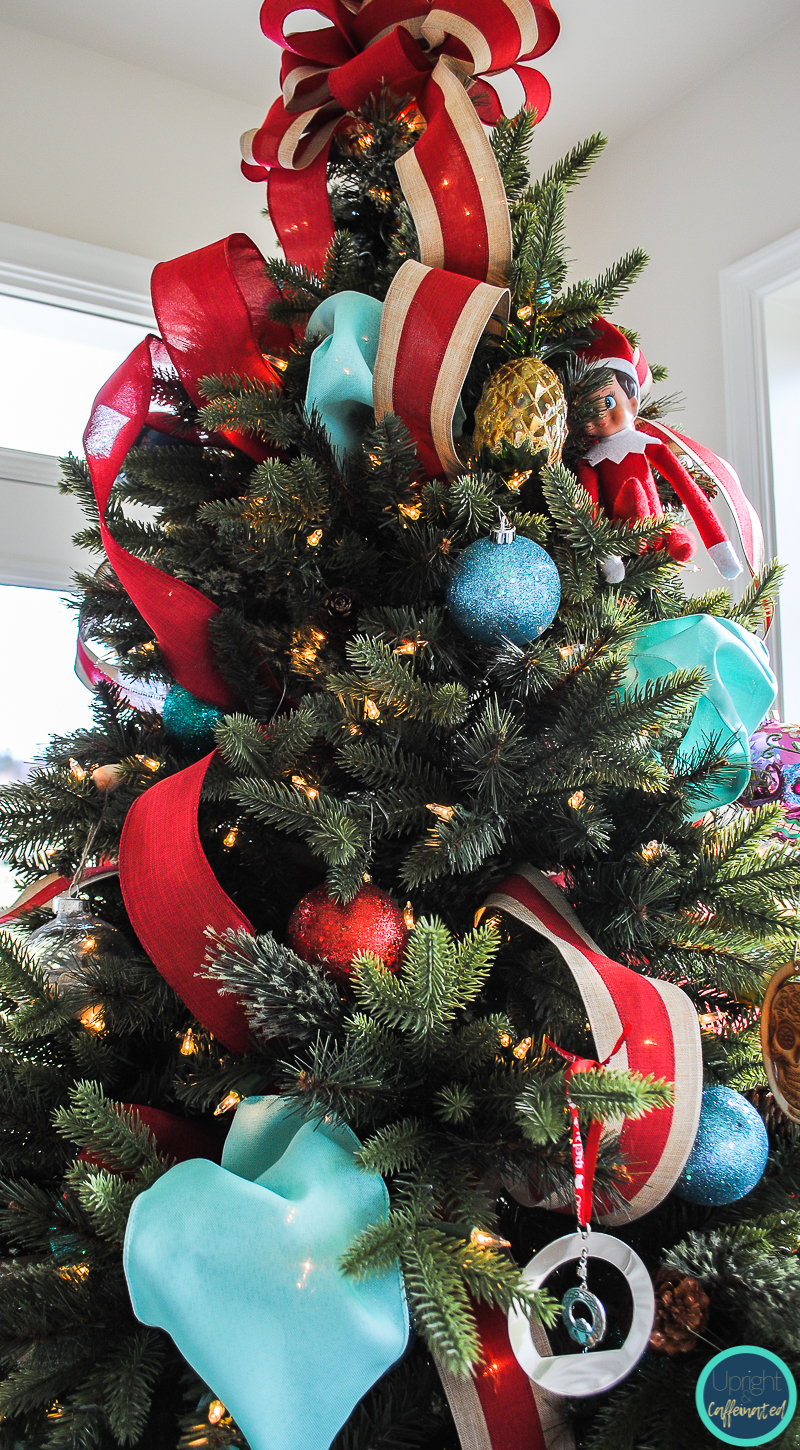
[{"x": 410, "y": 49}]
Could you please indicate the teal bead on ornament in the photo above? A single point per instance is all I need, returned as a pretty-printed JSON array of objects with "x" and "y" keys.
[
  {"x": 189, "y": 720},
  {"x": 729, "y": 1153},
  {"x": 504, "y": 588}
]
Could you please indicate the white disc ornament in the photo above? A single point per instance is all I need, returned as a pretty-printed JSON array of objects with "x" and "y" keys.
[{"x": 589, "y": 1373}]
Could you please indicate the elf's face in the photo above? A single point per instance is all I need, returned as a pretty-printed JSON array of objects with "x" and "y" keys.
[{"x": 617, "y": 411}]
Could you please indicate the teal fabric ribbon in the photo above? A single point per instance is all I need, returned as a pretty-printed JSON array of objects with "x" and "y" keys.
[
  {"x": 239, "y": 1264},
  {"x": 739, "y": 691},
  {"x": 340, "y": 377}
]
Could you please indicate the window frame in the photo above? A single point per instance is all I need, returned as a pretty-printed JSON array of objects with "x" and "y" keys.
[
  {"x": 743, "y": 287},
  {"x": 82, "y": 277}
]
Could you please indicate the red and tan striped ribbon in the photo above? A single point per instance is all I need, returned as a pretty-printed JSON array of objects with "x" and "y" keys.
[
  {"x": 725, "y": 479},
  {"x": 453, "y": 186},
  {"x": 499, "y": 1408},
  {"x": 664, "y": 1038},
  {"x": 431, "y": 324},
  {"x": 450, "y": 178}
]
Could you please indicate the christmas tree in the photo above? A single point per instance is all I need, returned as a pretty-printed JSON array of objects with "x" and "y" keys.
[{"x": 382, "y": 640}]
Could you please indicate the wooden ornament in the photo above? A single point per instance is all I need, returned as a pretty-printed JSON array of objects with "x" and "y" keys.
[{"x": 780, "y": 1038}]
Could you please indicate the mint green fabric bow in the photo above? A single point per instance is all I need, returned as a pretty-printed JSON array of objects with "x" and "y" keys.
[
  {"x": 740, "y": 690},
  {"x": 239, "y": 1264},
  {"x": 340, "y": 377}
]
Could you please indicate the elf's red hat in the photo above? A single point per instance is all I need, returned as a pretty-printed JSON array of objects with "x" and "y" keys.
[{"x": 611, "y": 349}]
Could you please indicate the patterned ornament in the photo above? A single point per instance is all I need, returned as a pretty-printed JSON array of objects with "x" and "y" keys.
[
  {"x": 189, "y": 720},
  {"x": 681, "y": 1312},
  {"x": 323, "y": 931},
  {"x": 504, "y": 587},
  {"x": 775, "y": 758},
  {"x": 522, "y": 404},
  {"x": 729, "y": 1153},
  {"x": 780, "y": 1038},
  {"x": 64, "y": 949}
]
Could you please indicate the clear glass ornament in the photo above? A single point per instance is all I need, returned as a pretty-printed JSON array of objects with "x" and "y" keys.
[{"x": 63, "y": 949}]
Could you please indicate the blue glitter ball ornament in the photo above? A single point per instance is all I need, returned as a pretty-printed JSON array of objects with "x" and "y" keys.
[
  {"x": 504, "y": 587},
  {"x": 729, "y": 1153},
  {"x": 189, "y": 720}
]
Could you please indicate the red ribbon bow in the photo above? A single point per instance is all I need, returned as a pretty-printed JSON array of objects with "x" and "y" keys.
[{"x": 408, "y": 46}]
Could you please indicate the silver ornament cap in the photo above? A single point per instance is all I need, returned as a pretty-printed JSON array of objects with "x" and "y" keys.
[{"x": 503, "y": 532}]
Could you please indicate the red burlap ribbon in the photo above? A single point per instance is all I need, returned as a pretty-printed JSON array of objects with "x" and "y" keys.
[
  {"x": 177, "y": 1138},
  {"x": 172, "y": 897},
  {"x": 212, "y": 310},
  {"x": 450, "y": 178},
  {"x": 499, "y": 1408},
  {"x": 663, "y": 1039}
]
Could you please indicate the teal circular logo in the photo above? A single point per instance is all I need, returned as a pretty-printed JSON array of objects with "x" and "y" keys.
[{"x": 746, "y": 1395}]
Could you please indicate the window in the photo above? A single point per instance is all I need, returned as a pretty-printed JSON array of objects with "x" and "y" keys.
[
  {"x": 53, "y": 360},
  {"x": 41, "y": 694}
]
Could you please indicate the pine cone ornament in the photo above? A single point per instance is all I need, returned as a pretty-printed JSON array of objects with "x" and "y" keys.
[
  {"x": 338, "y": 613},
  {"x": 777, "y": 1123},
  {"x": 522, "y": 404},
  {"x": 681, "y": 1312}
]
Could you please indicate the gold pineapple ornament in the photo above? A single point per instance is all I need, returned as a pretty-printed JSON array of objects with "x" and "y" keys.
[{"x": 522, "y": 404}]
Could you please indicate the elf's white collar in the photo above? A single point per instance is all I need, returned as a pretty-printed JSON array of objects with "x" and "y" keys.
[{"x": 618, "y": 446}]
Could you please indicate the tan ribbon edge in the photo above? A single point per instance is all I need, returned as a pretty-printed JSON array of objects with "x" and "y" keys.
[
  {"x": 401, "y": 294},
  {"x": 525, "y": 16},
  {"x": 301, "y": 73},
  {"x": 557, "y": 899},
  {"x": 467, "y": 1412},
  {"x": 603, "y": 1014},
  {"x": 419, "y": 198},
  {"x": 293, "y": 135},
  {"x": 485, "y": 169},
  {"x": 439, "y": 21},
  {"x": 465, "y": 1407},
  {"x": 688, "y": 1097},
  {"x": 481, "y": 305},
  {"x": 606, "y": 1025}
]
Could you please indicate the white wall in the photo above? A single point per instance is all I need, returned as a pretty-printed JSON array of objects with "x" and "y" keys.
[
  {"x": 782, "y": 331},
  {"x": 105, "y": 152},
  {"x": 703, "y": 184}
]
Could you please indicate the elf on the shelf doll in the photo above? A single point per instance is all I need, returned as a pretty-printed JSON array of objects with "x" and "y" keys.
[{"x": 616, "y": 472}]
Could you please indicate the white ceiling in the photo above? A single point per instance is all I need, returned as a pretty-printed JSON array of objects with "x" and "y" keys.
[{"x": 613, "y": 67}]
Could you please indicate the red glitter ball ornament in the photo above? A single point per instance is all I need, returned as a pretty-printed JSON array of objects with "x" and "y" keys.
[{"x": 323, "y": 931}]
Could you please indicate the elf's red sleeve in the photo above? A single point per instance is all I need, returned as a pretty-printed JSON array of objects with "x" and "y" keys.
[
  {"x": 702, "y": 514},
  {"x": 587, "y": 478}
]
